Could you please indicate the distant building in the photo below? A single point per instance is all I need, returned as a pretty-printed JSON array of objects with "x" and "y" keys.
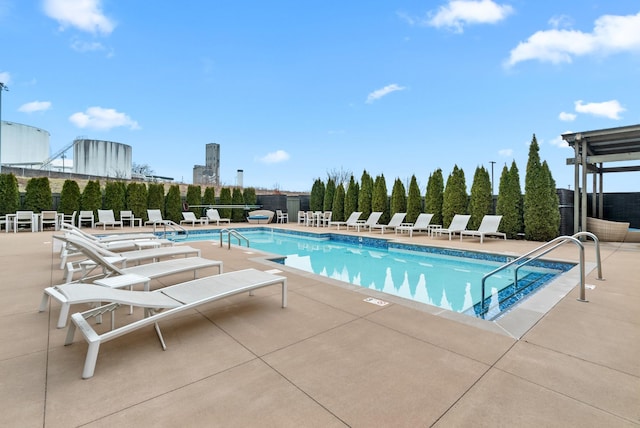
[{"x": 210, "y": 172}]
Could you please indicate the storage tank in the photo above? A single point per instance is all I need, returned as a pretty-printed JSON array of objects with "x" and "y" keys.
[
  {"x": 102, "y": 158},
  {"x": 23, "y": 144}
]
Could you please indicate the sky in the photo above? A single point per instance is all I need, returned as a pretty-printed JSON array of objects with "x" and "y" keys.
[{"x": 295, "y": 91}]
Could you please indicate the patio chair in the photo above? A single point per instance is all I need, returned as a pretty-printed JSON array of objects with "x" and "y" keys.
[
  {"x": 49, "y": 218},
  {"x": 158, "y": 304},
  {"x": 370, "y": 221},
  {"x": 302, "y": 217},
  {"x": 488, "y": 227},
  {"x": 396, "y": 220},
  {"x": 190, "y": 218},
  {"x": 214, "y": 215},
  {"x": 107, "y": 218},
  {"x": 422, "y": 224},
  {"x": 23, "y": 218},
  {"x": 458, "y": 224},
  {"x": 326, "y": 218},
  {"x": 282, "y": 217},
  {"x": 86, "y": 217},
  {"x": 128, "y": 216},
  {"x": 353, "y": 219},
  {"x": 69, "y": 219}
]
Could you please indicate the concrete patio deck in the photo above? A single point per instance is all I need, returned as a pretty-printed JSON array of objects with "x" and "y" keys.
[{"x": 327, "y": 360}]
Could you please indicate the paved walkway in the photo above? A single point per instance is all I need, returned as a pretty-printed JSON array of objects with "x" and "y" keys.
[{"x": 328, "y": 359}]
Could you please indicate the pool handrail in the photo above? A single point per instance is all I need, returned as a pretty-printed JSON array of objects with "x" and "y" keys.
[
  {"x": 232, "y": 232},
  {"x": 560, "y": 240}
]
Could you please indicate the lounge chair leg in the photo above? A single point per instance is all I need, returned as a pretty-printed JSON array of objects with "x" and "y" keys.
[
  {"x": 90, "y": 360},
  {"x": 157, "y": 327},
  {"x": 64, "y": 313},
  {"x": 44, "y": 302}
]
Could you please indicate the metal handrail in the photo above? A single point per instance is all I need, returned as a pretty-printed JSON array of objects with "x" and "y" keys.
[
  {"x": 232, "y": 232},
  {"x": 548, "y": 247},
  {"x": 173, "y": 225}
]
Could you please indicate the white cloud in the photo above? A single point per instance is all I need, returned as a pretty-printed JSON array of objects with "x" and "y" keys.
[
  {"x": 34, "y": 106},
  {"x": 611, "y": 34},
  {"x": 82, "y": 46},
  {"x": 610, "y": 109},
  {"x": 379, "y": 93},
  {"x": 102, "y": 119},
  {"x": 275, "y": 157},
  {"x": 567, "y": 117},
  {"x": 559, "y": 142},
  {"x": 506, "y": 153},
  {"x": 458, "y": 13},
  {"x": 85, "y": 15},
  {"x": 5, "y": 77}
]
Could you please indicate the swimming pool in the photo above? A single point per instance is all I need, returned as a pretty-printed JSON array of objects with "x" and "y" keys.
[{"x": 446, "y": 278}]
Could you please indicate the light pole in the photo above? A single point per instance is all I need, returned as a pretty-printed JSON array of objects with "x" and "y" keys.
[
  {"x": 63, "y": 158},
  {"x": 492, "y": 163},
  {"x": 3, "y": 87}
]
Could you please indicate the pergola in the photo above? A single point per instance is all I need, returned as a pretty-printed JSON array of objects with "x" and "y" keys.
[{"x": 592, "y": 150}]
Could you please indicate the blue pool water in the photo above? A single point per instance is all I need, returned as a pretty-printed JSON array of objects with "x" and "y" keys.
[{"x": 449, "y": 279}]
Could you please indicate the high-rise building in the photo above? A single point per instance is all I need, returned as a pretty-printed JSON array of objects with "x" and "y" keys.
[{"x": 209, "y": 173}]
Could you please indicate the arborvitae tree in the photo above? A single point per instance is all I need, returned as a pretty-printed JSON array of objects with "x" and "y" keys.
[
  {"x": 329, "y": 192},
  {"x": 91, "y": 199},
  {"x": 155, "y": 196},
  {"x": 137, "y": 199},
  {"x": 38, "y": 195},
  {"x": 316, "y": 199},
  {"x": 398, "y": 198},
  {"x": 115, "y": 195},
  {"x": 249, "y": 196},
  {"x": 194, "y": 197},
  {"x": 9, "y": 194},
  {"x": 69, "y": 197},
  {"x": 455, "y": 197},
  {"x": 351, "y": 198},
  {"x": 365, "y": 194},
  {"x": 225, "y": 199},
  {"x": 209, "y": 197},
  {"x": 510, "y": 201},
  {"x": 434, "y": 198},
  {"x": 414, "y": 201},
  {"x": 337, "y": 209},
  {"x": 380, "y": 199},
  {"x": 237, "y": 214},
  {"x": 173, "y": 204},
  {"x": 481, "y": 201},
  {"x": 541, "y": 215}
]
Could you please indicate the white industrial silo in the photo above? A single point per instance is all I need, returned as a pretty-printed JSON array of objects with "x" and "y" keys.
[
  {"x": 23, "y": 145},
  {"x": 102, "y": 158}
]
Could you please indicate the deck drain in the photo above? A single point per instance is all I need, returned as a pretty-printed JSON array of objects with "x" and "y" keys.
[
  {"x": 273, "y": 271},
  {"x": 376, "y": 301}
]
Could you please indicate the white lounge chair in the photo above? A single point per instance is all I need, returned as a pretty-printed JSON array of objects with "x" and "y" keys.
[
  {"x": 147, "y": 271},
  {"x": 396, "y": 220},
  {"x": 458, "y": 224},
  {"x": 123, "y": 258},
  {"x": 159, "y": 304},
  {"x": 422, "y": 224},
  {"x": 190, "y": 217},
  {"x": 155, "y": 218},
  {"x": 214, "y": 215},
  {"x": 351, "y": 220},
  {"x": 107, "y": 218},
  {"x": 370, "y": 221},
  {"x": 488, "y": 227}
]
